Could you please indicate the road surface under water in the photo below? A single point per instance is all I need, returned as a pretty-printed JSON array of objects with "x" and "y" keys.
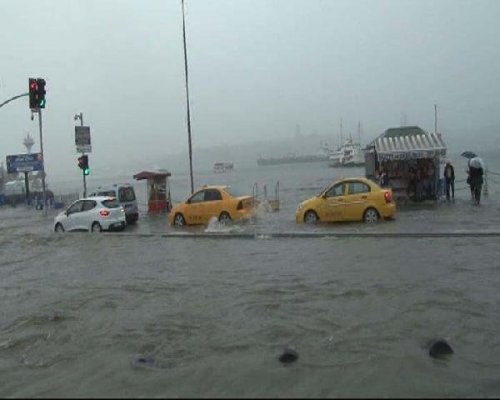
[{"x": 206, "y": 312}]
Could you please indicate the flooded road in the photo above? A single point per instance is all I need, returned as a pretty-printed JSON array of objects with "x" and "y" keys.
[
  {"x": 161, "y": 312},
  {"x": 207, "y": 311}
]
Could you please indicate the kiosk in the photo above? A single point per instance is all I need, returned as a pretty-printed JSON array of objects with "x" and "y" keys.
[
  {"x": 411, "y": 158},
  {"x": 158, "y": 190}
]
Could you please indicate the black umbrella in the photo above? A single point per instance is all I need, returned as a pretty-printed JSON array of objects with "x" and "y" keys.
[{"x": 468, "y": 154}]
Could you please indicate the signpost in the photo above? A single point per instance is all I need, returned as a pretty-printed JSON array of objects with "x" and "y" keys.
[
  {"x": 82, "y": 139},
  {"x": 24, "y": 163},
  {"x": 82, "y": 142}
]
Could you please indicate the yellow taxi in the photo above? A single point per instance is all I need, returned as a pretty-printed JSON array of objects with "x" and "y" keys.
[
  {"x": 350, "y": 199},
  {"x": 212, "y": 201}
]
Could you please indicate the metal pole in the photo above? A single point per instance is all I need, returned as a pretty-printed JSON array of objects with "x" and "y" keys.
[
  {"x": 435, "y": 119},
  {"x": 187, "y": 100},
  {"x": 486, "y": 182},
  {"x": 83, "y": 172},
  {"x": 43, "y": 162},
  {"x": 27, "y": 187},
  {"x": 13, "y": 98}
]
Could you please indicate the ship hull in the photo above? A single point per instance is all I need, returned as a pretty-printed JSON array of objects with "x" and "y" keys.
[{"x": 291, "y": 160}]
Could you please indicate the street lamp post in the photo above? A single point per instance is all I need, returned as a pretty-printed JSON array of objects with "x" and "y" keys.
[
  {"x": 80, "y": 117},
  {"x": 187, "y": 100}
]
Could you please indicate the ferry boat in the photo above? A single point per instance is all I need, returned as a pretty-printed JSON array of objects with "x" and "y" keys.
[
  {"x": 221, "y": 167},
  {"x": 350, "y": 154},
  {"x": 291, "y": 159}
]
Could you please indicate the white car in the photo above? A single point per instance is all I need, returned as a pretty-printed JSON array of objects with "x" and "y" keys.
[{"x": 92, "y": 214}]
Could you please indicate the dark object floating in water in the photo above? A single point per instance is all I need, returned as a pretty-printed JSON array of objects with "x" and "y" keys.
[
  {"x": 149, "y": 362},
  {"x": 439, "y": 348},
  {"x": 289, "y": 355},
  {"x": 144, "y": 362}
]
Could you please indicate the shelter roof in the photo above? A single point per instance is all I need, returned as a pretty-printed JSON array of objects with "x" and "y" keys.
[
  {"x": 408, "y": 142},
  {"x": 151, "y": 174}
]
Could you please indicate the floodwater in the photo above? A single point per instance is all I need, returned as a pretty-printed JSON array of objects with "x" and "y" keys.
[{"x": 206, "y": 312}]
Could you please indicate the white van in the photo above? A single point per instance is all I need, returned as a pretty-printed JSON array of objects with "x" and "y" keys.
[{"x": 125, "y": 194}]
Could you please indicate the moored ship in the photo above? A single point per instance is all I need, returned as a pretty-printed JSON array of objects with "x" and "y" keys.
[
  {"x": 350, "y": 154},
  {"x": 291, "y": 159},
  {"x": 221, "y": 167}
]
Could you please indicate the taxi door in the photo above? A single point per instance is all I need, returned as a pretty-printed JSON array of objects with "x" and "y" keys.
[
  {"x": 333, "y": 204},
  {"x": 213, "y": 205},
  {"x": 356, "y": 200},
  {"x": 195, "y": 208}
]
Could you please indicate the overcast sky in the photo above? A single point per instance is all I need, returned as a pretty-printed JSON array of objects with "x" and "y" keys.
[{"x": 257, "y": 68}]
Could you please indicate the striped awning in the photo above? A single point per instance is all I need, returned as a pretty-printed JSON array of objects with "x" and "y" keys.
[{"x": 425, "y": 145}]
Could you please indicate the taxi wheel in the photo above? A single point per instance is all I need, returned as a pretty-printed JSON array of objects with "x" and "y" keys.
[
  {"x": 179, "y": 220},
  {"x": 311, "y": 217},
  {"x": 96, "y": 227},
  {"x": 224, "y": 217},
  {"x": 59, "y": 228},
  {"x": 371, "y": 215}
]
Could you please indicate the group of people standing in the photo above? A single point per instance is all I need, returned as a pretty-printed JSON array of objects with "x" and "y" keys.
[{"x": 475, "y": 181}]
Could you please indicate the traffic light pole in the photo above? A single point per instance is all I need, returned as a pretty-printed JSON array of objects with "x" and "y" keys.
[
  {"x": 80, "y": 117},
  {"x": 13, "y": 98},
  {"x": 43, "y": 162}
]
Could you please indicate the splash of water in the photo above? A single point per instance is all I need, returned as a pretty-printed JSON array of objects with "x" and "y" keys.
[{"x": 214, "y": 226}]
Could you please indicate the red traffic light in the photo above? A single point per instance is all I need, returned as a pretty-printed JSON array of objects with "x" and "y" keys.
[
  {"x": 33, "y": 93},
  {"x": 80, "y": 162}
]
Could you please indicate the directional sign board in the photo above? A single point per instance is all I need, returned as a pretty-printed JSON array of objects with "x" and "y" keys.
[
  {"x": 24, "y": 163},
  {"x": 82, "y": 139}
]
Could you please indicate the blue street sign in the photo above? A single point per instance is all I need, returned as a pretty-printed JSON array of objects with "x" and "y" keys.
[{"x": 24, "y": 163}]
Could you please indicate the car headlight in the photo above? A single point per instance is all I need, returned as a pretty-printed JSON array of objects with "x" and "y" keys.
[{"x": 300, "y": 207}]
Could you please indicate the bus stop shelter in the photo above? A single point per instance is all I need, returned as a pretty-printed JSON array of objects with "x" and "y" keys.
[{"x": 158, "y": 190}]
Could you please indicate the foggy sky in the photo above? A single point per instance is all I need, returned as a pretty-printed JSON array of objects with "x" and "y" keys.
[{"x": 257, "y": 68}]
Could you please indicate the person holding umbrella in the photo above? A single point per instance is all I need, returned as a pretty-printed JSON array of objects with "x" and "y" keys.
[{"x": 475, "y": 179}]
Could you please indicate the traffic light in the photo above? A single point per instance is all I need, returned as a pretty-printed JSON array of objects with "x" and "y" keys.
[
  {"x": 86, "y": 168},
  {"x": 33, "y": 92},
  {"x": 37, "y": 93},
  {"x": 41, "y": 93},
  {"x": 83, "y": 163}
]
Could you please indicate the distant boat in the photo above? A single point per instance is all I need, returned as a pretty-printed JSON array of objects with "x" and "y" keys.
[
  {"x": 221, "y": 167},
  {"x": 350, "y": 154}
]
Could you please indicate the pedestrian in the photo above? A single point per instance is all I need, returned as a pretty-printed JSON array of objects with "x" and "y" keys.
[
  {"x": 412, "y": 183},
  {"x": 384, "y": 178},
  {"x": 475, "y": 180},
  {"x": 449, "y": 180}
]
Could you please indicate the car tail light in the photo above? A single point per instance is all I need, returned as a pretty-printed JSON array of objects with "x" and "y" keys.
[
  {"x": 104, "y": 212},
  {"x": 388, "y": 196},
  {"x": 240, "y": 205}
]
